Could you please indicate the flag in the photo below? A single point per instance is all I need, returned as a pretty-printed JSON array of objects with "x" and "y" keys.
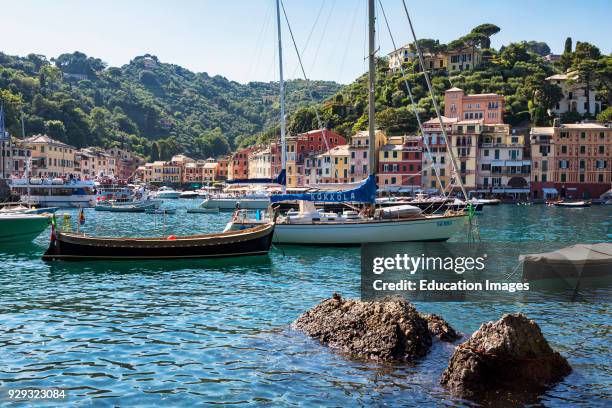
[
  {"x": 82, "y": 217},
  {"x": 53, "y": 228},
  {"x": 3, "y": 134}
]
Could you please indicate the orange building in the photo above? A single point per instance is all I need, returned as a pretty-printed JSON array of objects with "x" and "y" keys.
[
  {"x": 571, "y": 161},
  {"x": 486, "y": 107},
  {"x": 238, "y": 165}
]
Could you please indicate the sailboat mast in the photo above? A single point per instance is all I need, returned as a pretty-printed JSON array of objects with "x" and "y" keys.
[
  {"x": 282, "y": 92},
  {"x": 371, "y": 80}
]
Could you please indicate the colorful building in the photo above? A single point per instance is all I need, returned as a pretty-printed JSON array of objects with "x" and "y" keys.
[
  {"x": 238, "y": 166},
  {"x": 502, "y": 166},
  {"x": 486, "y": 107},
  {"x": 571, "y": 161},
  {"x": 439, "y": 160},
  {"x": 51, "y": 158},
  {"x": 399, "y": 164}
]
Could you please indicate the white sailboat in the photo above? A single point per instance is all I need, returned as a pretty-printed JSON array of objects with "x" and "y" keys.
[{"x": 309, "y": 226}]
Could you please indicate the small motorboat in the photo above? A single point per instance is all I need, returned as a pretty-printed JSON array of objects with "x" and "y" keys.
[
  {"x": 572, "y": 204},
  {"x": 160, "y": 210},
  {"x": 75, "y": 246},
  {"x": 188, "y": 194},
  {"x": 167, "y": 192}
]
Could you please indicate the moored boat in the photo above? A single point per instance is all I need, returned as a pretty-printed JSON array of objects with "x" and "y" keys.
[
  {"x": 572, "y": 204},
  {"x": 55, "y": 192},
  {"x": 167, "y": 192},
  {"x": 188, "y": 194},
  {"x": 21, "y": 228},
  {"x": 160, "y": 210},
  {"x": 74, "y": 246}
]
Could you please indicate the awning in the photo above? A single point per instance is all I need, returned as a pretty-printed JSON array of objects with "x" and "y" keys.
[
  {"x": 514, "y": 163},
  {"x": 497, "y": 163},
  {"x": 517, "y": 190},
  {"x": 549, "y": 190},
  {"x": 497, "y": 190}
]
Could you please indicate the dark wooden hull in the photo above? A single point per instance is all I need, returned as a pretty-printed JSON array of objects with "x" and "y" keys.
[{"x": 253, "y": 241}]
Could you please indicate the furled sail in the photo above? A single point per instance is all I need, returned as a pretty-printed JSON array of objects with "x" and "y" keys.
[
  {"x": 280, "y": 179},
  {"x": 365, "y": 193}
]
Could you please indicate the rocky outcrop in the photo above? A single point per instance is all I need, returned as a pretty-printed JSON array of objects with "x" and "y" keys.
[
  {"x": 439, "y": 328},
  {"x": 390, "y": 330},
  {"x": 508, "y": 355}
]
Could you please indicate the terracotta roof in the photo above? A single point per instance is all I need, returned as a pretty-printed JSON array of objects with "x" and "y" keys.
[
  {"x": 435, "y": 121},
  {"x": 46, "y": 139}
]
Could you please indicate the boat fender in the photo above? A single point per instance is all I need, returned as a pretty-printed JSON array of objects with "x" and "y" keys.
[{"x": 171, "y": 238}]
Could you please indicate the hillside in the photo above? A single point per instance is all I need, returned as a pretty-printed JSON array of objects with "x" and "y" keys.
[
  {"x": 517, "y": 70},
  {"x": 77, "y": 99}
]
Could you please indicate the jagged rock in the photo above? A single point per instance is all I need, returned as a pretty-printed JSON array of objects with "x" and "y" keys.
[
  {"x": 439, "y": 328},
  {"x": 391, "y": 330},
  {"x": 508, "y": 355}
]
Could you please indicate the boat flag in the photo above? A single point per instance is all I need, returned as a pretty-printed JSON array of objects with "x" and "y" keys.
[
  {"x": 82, "y": 217},
  {"x": 53, "y": 225}
]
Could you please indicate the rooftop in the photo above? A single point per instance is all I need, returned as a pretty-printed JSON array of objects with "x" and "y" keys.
[
  {"x": 46, "y": 139},
  {"x": 445, "y": 120}
]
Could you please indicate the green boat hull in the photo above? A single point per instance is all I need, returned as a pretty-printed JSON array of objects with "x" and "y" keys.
[{"x": 21, "y": 229}]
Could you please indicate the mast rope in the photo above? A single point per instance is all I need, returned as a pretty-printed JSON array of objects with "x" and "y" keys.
[
  {"x": 434, "y": 101},
  {"x": 308, "y": 85},
  {"x": 412, "y": 102}
]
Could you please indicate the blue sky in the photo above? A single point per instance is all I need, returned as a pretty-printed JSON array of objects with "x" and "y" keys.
[{"x": 236, "y": 38}]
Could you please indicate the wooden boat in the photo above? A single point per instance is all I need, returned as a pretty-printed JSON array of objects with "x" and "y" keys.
[
  {"x": 74, "y": 246},
  {"x": 572, "y": 204}
]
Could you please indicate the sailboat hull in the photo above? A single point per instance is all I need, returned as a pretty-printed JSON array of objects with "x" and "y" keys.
[
  {"x": 21, "y": 228},
  {"x": 420, "y": 229},
  {"x": 360, "y": 232}
]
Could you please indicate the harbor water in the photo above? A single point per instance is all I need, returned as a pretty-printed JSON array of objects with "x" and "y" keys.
[{"x": 200, "y": 332}]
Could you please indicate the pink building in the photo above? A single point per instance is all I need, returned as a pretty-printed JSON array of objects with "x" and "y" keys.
[{"x": 486, "y": 107}]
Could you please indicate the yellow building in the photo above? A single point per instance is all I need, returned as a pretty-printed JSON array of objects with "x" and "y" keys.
[
  {"x": 464, "y": 142},
  {"x": 51, "y": 158},
  {"x": 333, "y": 165}
]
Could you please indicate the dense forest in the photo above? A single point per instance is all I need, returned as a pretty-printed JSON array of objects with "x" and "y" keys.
[
  {"x": 517, "y": 70},
  {"x": 153, "y": 108},
  {"x": 159, "y": 109}
]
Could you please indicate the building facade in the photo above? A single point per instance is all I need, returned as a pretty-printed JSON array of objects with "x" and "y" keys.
[
  {"x": 502, "y": 166},
  {"x": 486, "y": 107},
  {"x": 51, "y": 158},
  {"x": 399, "y": 164},
  {"x": 571, "y": 161},
  {"x": 574, "y": 96}
]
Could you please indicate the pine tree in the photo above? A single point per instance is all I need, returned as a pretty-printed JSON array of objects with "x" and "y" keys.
[
  {"x": 568, "y": 45},
  {"x": 154, "y": 152}
]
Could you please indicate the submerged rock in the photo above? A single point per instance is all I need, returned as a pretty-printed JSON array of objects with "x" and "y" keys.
[
  {"x": 508, "y": 355},
  {"x": 439, "y": 328},
  {"x": 390, "y": 330}
]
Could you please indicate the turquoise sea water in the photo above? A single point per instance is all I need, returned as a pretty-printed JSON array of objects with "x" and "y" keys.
[{"x": 175, "y": 333}]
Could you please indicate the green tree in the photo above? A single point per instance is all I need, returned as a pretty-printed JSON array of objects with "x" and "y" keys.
[
  {"x": 568, "y": 45},
  {"x": 605, "y": 116},
  {"x": 486, "y": 31},
  {"x": 55, "y": 129},
  {"x": 586, "y": 75},
  {"x": 154, "y": 151}
]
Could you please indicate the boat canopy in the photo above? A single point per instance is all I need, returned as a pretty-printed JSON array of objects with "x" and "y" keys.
[
  {"x": 280, "y": 179},
  {"x": 364, "y": 193}
]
